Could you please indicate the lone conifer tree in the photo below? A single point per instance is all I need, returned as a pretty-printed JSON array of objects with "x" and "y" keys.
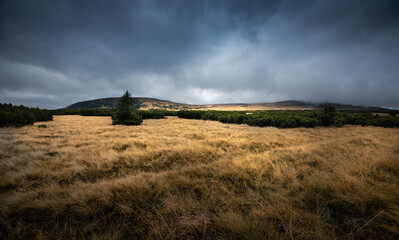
[
  {"x": 328, "y": 114},
  {"x": 124, "y": 114}
]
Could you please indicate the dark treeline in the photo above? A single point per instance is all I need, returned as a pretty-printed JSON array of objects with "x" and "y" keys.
[
  {"x": 145, "y": 114},
  {"x": 152, "y": 114},
  {"x": 18, "y": 116},
  {"x": 295, "y": 118},
  {"x": 390, "y": 112},
  {"x": 84, "y": 112},
  {"x": 195, "y": 114}
]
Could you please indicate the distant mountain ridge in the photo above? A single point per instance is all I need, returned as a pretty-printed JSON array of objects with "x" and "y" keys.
[{"x": 144, "y": 103}]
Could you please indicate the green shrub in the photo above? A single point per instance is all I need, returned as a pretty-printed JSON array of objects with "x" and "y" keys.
[
  {"x": 190, "y": 114},
  {"x": 170, "y": 113},
  {"x": 288, "y": 123},
  {"x": 152, "y": 114},
  {"x": 339, "y": 121}
]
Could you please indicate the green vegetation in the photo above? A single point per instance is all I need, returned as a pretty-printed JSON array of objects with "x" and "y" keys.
[
  {"x": 85, "y": 112},
  {"x": 170, "y": 112},
  {"x": 145, "y": 114},
  {"x": 152, "y": 114},
  {"x": 192, "y": 114},
  {"x": 124, "y": 114},
  {"x": 18, "y": 116},
  {"x": 328, "y": 116}
]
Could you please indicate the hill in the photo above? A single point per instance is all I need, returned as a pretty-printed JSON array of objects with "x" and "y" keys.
[
  {"x": 140, "y": 103},
  {"x": 144, "y": 103}
]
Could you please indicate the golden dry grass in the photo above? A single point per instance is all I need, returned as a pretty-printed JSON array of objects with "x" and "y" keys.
[{"x": 172, "y": 178}]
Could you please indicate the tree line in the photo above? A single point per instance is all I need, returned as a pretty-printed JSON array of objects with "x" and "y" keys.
[
  {"x": 125, "y": 114},
  {"x": 108, "y": 112},
  {"x": 328, "y": 116},
  {"x": 18, "y": 116}
]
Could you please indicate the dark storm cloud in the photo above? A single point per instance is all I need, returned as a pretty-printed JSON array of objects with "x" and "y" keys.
[{"x": 54, "y": 53}]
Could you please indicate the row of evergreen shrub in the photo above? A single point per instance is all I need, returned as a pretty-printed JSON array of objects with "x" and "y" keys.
[
  {"x": 328, "y": 116},
  {"x": 368, "y": 119},
  {"x": 18, "y": 116},
  {"x": 170, "y": 113},
  {"x": 190, "y": 114},
  {"x": 145, "y": 114},
  {"x": 152, "y": 114},
  {"x": 85, "y": 112}
]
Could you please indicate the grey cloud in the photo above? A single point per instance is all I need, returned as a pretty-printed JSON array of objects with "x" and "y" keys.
[{"x": 55, "y": 53}]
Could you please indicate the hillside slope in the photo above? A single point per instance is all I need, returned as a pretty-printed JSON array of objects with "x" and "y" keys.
[
  {"x": 144, "y": 103},
  {"x": 140, "y": 103}
]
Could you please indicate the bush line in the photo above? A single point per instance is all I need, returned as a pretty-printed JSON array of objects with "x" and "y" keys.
[
  {"x": 294, "y": 118},
  {"x": 18, "y": 116}
]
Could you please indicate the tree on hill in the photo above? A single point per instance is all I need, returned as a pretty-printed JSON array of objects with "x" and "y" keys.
[{"x": 124, "y": 114}]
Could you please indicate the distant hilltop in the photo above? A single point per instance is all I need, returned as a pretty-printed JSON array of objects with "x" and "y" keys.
[{"x": 144, "y": 103}]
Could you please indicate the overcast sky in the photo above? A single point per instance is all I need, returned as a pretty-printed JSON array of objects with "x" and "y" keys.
[{"x": 55, "y": 53}]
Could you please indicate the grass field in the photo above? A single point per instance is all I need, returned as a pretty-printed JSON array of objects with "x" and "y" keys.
[{"x": 81, "y": 177}]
